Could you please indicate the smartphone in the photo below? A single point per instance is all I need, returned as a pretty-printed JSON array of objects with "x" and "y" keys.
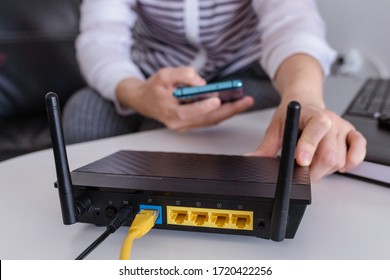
[{"x": 227, "y": 91}]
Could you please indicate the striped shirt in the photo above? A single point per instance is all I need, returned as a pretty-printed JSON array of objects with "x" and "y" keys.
[
  {"x": 123, "y": 38},
  {"x": 216, "y": 37}
]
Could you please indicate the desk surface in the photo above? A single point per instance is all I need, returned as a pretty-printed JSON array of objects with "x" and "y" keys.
[{"x": 348, "y": 219}]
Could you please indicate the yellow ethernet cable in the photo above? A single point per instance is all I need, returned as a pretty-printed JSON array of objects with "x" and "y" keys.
[{"x": 142, "y": 224}]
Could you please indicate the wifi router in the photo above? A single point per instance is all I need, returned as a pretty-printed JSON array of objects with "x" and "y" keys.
[{"x": 263, "y": 197}]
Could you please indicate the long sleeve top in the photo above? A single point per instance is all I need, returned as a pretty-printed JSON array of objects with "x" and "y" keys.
[{"x": 127, "y": 38}]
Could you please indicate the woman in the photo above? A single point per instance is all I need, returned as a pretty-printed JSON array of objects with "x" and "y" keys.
[{"x": 135, "y": 53}]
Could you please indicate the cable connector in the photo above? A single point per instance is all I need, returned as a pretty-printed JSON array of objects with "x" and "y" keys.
[
  {"x": 121, "y": 217},
  {"x": 142, "y": 224}
]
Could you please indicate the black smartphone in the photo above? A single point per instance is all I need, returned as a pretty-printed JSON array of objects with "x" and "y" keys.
[{"x": 227, "y": 91}]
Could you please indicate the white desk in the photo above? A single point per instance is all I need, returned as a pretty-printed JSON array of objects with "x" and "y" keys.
[{"x": 348, "y": 219}]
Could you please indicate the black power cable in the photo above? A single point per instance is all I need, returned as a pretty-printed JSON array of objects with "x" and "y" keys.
[{"x": 121, "y": 217}]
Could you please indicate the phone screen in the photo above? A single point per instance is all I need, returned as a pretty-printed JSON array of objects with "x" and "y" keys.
[{"x": 227, "y": 91}]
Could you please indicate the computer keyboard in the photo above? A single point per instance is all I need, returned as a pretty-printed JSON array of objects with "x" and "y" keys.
[{"x": 373, "y": 99}]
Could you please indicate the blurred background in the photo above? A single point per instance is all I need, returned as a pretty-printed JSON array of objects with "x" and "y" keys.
[
  {"x": 360, "y": 31},
  {"x": 37, "y": 56}
]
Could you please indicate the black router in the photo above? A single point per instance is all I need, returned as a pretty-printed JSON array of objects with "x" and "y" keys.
[{"x": 263, "y": 197}]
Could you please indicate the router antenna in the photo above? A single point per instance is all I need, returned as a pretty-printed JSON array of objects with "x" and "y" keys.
[
  {"x": 283, "y": 187},
  {"x": 65, "y": 187}
]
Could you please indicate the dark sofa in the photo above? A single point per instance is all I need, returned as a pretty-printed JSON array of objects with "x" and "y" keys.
[{"x": 36, "y": 56}]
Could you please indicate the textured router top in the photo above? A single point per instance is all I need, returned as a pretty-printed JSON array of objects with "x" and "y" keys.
[
  {"x": 196, "y": 166},
  {"x": 191, "y": 173}
]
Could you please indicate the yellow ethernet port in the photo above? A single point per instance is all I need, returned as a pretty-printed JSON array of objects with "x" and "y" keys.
[
  {"x": 178, "y": 216},
  {"x": 199, "y": 218},
  {"x": 220, "y": 219},
  {"x": 241, "y": 221},
  {"x": 208, "y": 217}
]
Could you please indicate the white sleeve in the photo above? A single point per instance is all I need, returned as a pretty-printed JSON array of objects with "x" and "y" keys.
[
  {"x": 288, "y": 27},
  {"x": 104, "y": 44}
]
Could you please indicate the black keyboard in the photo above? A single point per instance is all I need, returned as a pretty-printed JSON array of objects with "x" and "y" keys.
[{"x": 373, "y": 99}]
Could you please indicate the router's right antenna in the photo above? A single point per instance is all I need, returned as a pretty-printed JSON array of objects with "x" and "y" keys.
[
  {"x": 65, "y": 188},
  {"x": 283, "y": 187}
]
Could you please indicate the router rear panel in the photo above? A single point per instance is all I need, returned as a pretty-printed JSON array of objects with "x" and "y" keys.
[
  {"x": 105, "y": 203},
  {"x": 197, "y": 197}
]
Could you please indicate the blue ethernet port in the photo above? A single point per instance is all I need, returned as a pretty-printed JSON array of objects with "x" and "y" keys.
[{"x": 153, "y": 207}]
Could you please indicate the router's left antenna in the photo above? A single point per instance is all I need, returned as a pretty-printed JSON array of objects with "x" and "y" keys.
[{"x": 65, "y": 187}]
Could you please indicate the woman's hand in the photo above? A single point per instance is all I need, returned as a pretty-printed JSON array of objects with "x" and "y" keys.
[
  {"x": 153, "y": 98},
  {"x": 328, "y": 143}
]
